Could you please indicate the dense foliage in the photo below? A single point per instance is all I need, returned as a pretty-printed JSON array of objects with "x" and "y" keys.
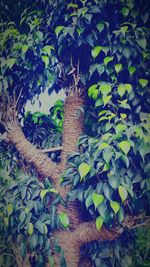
[{"x": 99, "y": 49}]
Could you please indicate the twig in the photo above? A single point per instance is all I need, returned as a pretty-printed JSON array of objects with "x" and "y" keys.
[{"x": 51, "y": 149}]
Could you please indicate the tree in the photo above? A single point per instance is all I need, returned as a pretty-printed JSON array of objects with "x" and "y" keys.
[{"x": 97, "y": 51}]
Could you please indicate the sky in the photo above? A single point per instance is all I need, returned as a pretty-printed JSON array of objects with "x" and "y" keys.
[{"x": 47, "y": 101}]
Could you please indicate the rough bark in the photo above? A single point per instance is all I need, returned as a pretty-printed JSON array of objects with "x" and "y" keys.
[{"x": 72, "y": 129}]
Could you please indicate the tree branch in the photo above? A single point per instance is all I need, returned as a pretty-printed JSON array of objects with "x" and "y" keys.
[
  {"x": 87, "y": 232},
  {"x": 44, "y": 165},
  {"x": 51, "y": 149}
]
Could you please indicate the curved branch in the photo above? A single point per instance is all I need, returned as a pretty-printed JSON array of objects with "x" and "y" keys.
[
  {"x": 87, "y": 232},
  {"x": 44, "y": 165}
]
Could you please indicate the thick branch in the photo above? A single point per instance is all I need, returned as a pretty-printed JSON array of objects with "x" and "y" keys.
[
  {"x": 44, "y": 166},
  {"x": 87, "y": 232}
]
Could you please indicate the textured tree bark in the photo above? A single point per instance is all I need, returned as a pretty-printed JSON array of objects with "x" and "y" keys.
[{"x": 72, "y": 129}]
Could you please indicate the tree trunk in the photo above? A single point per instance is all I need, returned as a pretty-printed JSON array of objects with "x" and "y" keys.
[
  {"x": 72, "y": 129},
  {"x": 80, "y": 232}
]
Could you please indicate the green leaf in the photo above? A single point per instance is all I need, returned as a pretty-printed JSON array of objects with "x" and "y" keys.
[
  {"x": 106, "y": 99},
  {"x": 123, "y": 115},
  {"x": 145, "y": 16},
  {"x": 88, "y": 201},
  {"x": 45, "y": 60},
  {"x": 105, "y": 49},
  {"x": 126, "y": 160},
  {"x": 128, "y": 87},
  {"x": 143, "y": 82},
  {"x": 107, "y": 154},
  {"x": 9, "y": 209},
  {"x": 113, "y": 180},
  {"x": 84, "y": 168},
  {"x": 115, "y": 206},
  {"x": 63, "y": 217},
  {"x": 30, "y": 229},
  {"x": 97, "y": 199},
  {"x": 33, "y": 241},
  {"x": 22, "y": 216},
  {"x": 58, "y": 30},
  {"x": 102, "y": 146},
  {"x": 106, "y": 167},
  {"x": 127, "y": 52},
  {"x": 43, "y": 193},
  {"x": 144, "y": 149},
  {"x": 142, "y": 42},
  {"x": 124, "y": 29},
  {"x": 121, "y": 214},
  {"x": 6, "y": 221},
  {"x": 95, "y": 51},
  {"x": 131, "y": 70},
  {"x": 39, "y": 35},
  {"x": 120, "y": 128},
  {"x": 53, "y": 190},
  {"x": 99, "y": 102},
  {"x": 107, "y": 60},
  {"x": 123, "y": 193},
  {"x": 125, "y": 146},
  {"x": 121, "y": 90},
  {"x": 100, "y": 26},
  {"x": 71, "y": 5},
  {"x": 41, "y": 227},
  {"x": 105, "y": 89},
  {"x": 47, "y": 49},
  {"x": 100, "y": 68},
  {"x": 118, "y": 68},
  {"x": 99, "y": 223},
  {"x": 10, "y": 62},
  {"x": 24, "y": 48},
  {"x": 125, "y": 11},
  {"x": 107, "y": 191},
  {"x": 93, "y": 91}
]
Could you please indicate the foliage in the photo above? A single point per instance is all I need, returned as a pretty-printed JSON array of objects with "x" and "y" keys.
[
  {"x": 45, "y": 131},
  {"x": 130, "y": 250},
  {"x": 28, "y": 216},
  {"x": 96, "y": 48},
  {"x": 116, "y": 155}
]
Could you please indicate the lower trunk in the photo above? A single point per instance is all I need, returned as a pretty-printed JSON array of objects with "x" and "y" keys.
[
  {"x": 79, "y": 233},
  {"x": 71, "y": 242}
]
